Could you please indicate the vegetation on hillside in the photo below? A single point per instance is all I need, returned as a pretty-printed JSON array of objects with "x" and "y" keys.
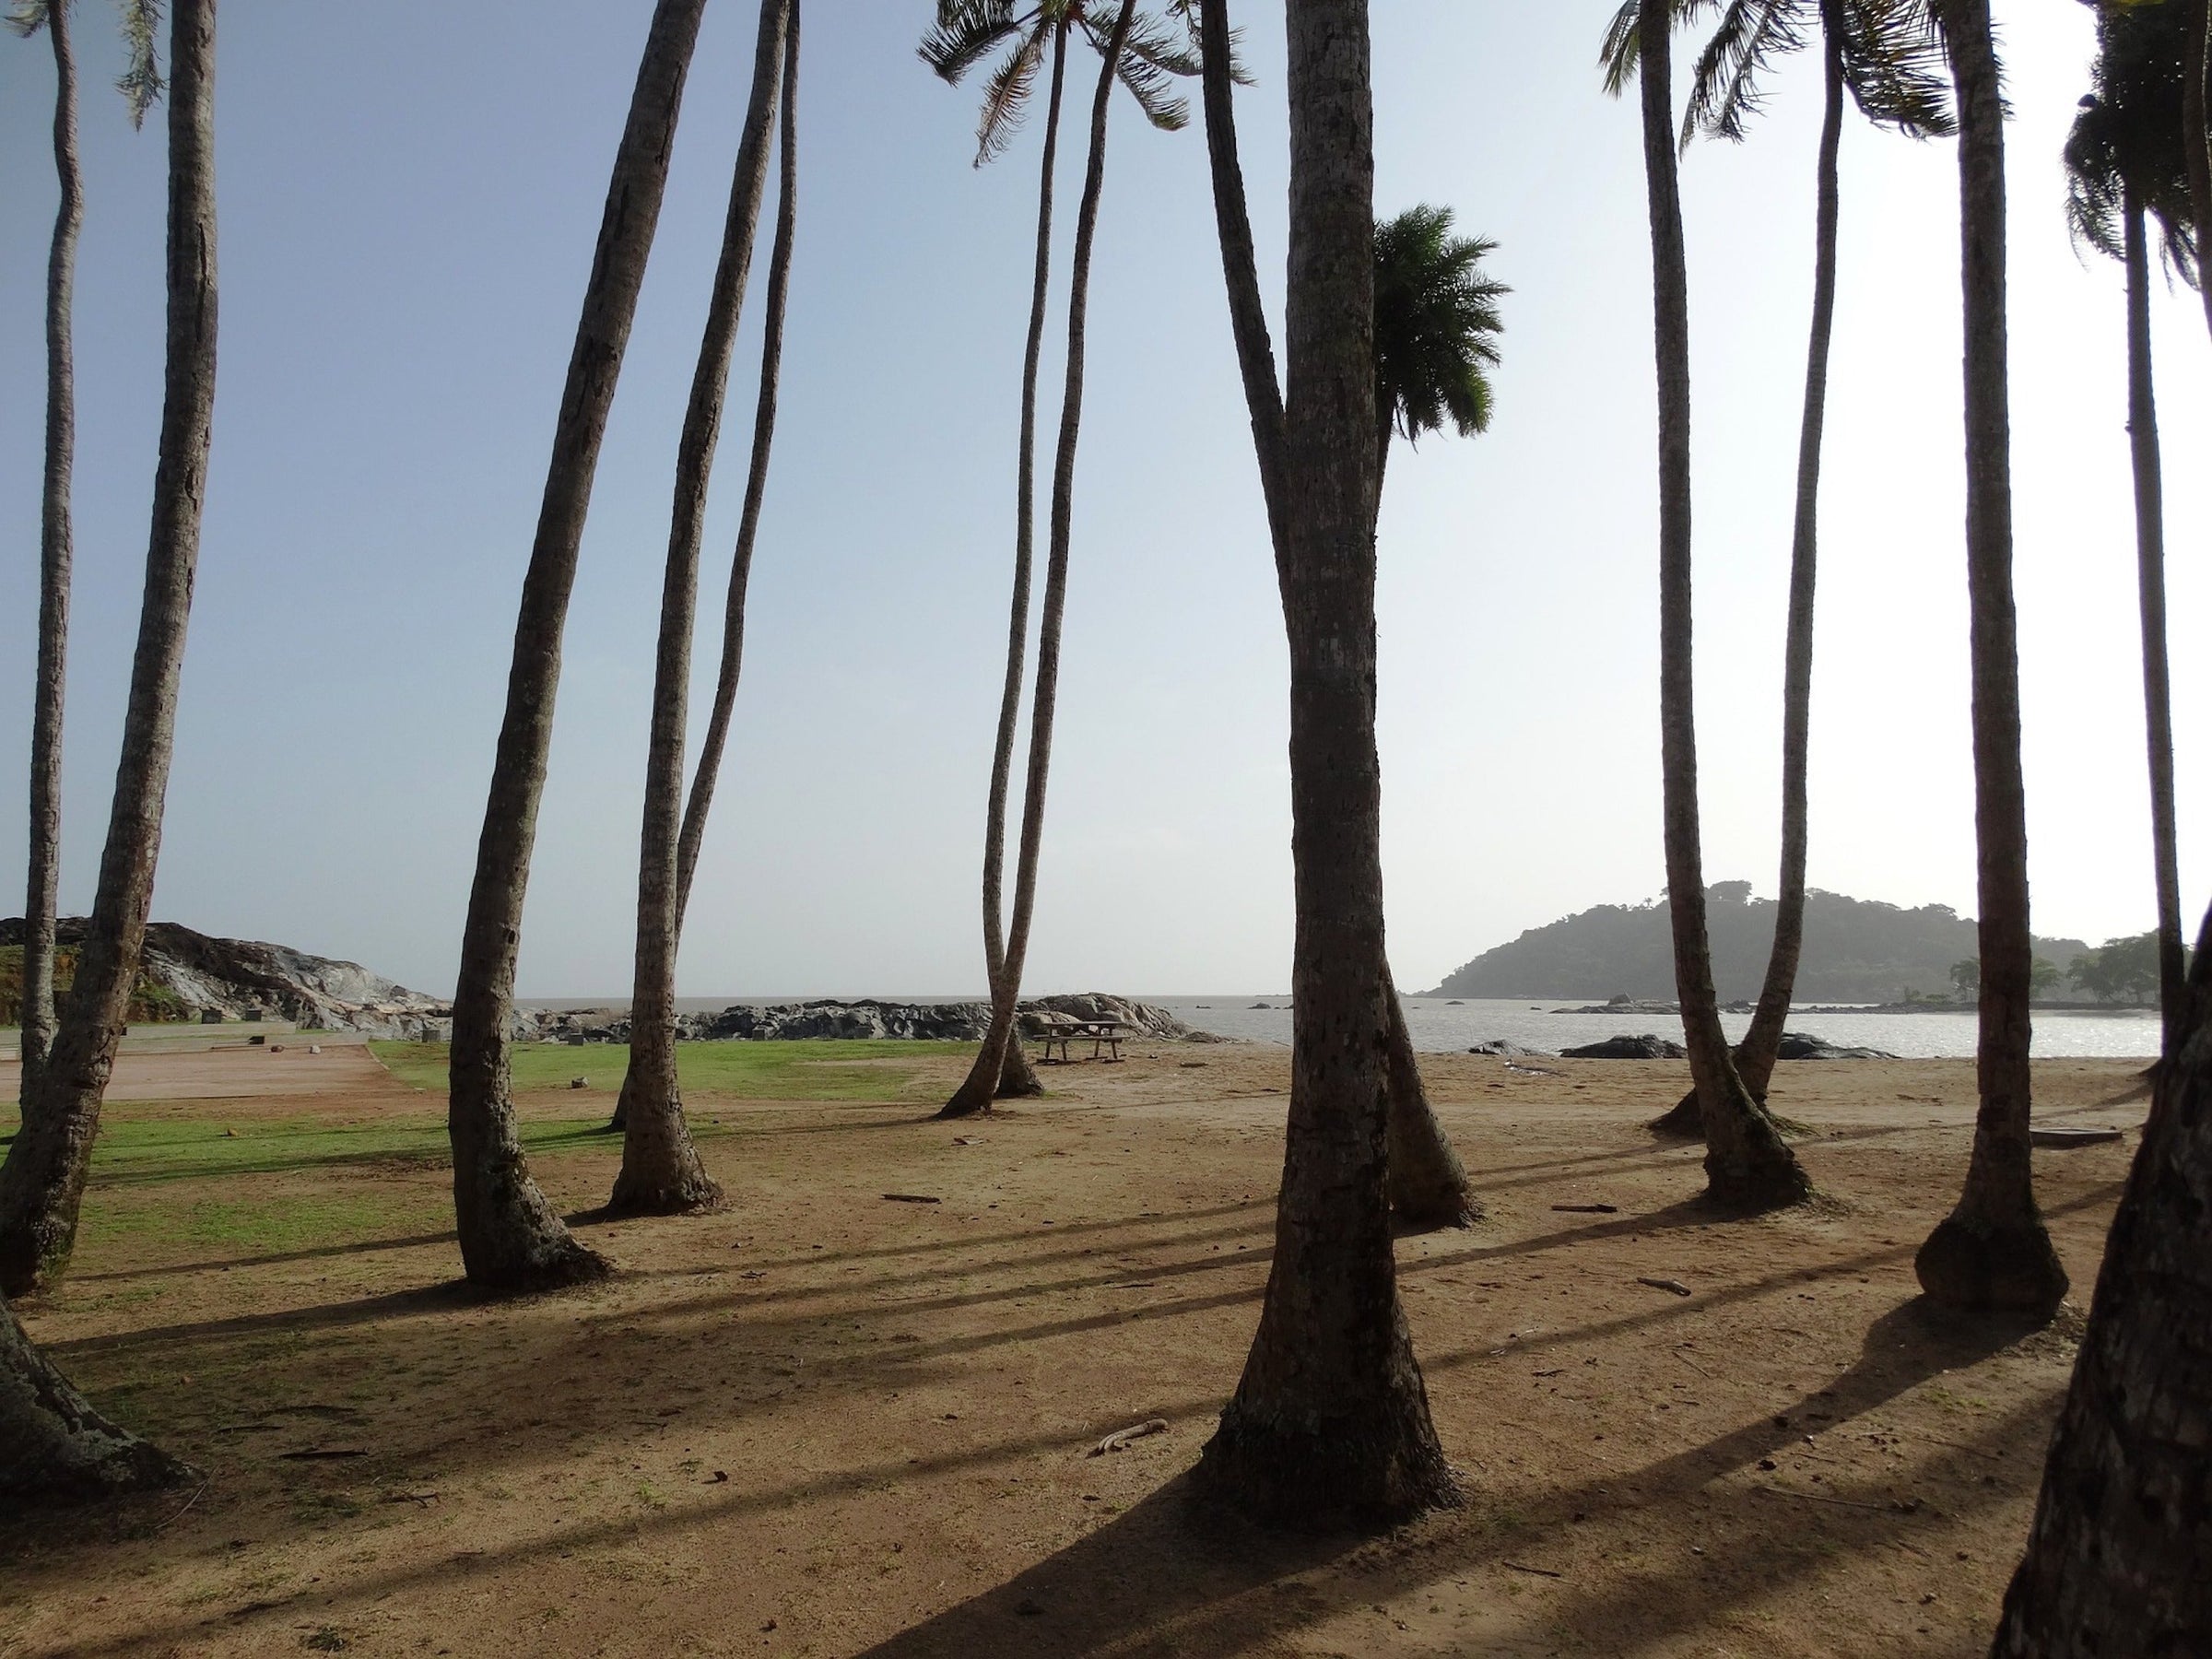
[{"x": 151, "y": 1002}]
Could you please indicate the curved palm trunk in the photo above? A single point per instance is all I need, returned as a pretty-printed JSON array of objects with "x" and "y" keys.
[
  {"x": 1429, "y": 1186},
  {"x": 1747, "y": 1164},
  {"x": 42, "y": 1181},
  {"x": 1016, "y": 1077},
  {"x": 53, "y": 1445},
  {"x": 44, "y": 877},
  {"x": 660, "y": 1172},
  {"x": 1991, "y": 1251},
  {"x": 1757, "y": 1052},
  {"x": 1330, "y": 1418},
  {"x": 2196, "y": 138},
  {"x": 511, "y": 1237},
  {"x": 709, "y": 771},
  {"x": 2150, "y": 573},
  {"x": 2115, "y": 1560},
  {"x": 976, "y": 1091}
]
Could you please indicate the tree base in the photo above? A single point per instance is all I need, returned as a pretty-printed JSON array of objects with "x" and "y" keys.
[
  {"x": 1326, "y": 1476},
  {"x": 1018, "y": 1079},
  {"x": 1684, "y": 1120},
  {"x": 1982, "y": 1270},
  {"x": 966, "y": 1102},
  {"x": 1758, "y": 1181},
  {"x": 554, "y": 1266},
  {"x": 694, "y": 1195},
  {"x": 1434, "y": 1213},
  {"x": 54, "y": 1447}
]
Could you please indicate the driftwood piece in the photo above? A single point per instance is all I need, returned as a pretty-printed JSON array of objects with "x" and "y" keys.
[
  {"x": 1677, "y": 1286},
  {"x": 1121, "y": 1438}
]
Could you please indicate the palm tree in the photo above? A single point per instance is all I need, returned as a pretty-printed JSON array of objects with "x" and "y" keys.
[
  {"x": 2124, "y": 164},
  {"x": 141, "y": 83},
  {"x": 53, "y": 1445},
  {"x": 1436, "y": 327},
  {"x": 660, "y": 1171},
  {"x": 1747, "y": 1166},
  {"x": 1330, "y": 1418},
  {"x": 511, "y": 1237},
  {"x": 2115, "y": 1560},
  {"x": 42, "y": 1181},
  {"x": 1991, "y": 1251},
  {"x": 2196, "y": 131},
  {"x": 967, "y": 33},
  {"x": 1883, "y": 52}
]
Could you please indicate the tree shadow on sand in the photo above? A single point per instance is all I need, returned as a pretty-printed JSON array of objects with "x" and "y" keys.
[{"x": 1178, "y": 1575}]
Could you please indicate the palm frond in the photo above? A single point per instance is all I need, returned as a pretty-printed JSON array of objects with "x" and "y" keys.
[
  {"x": 1437, "y": 324},
  {"x": 966, "y": 32},
  {"x": 1623, "y": 47},
  {"x": 141, "y": 82},
  {"x": 1006, "y": 95},
  {"x": 27, "y": 16},
  {"x": 1895, "y": 65},
  {"x": 1725, "y": 93},
  {"x": 1147, "y": 82}
]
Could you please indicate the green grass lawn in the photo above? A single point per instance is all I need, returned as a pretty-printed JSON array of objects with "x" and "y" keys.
[{"x": 820, "y": 1069}]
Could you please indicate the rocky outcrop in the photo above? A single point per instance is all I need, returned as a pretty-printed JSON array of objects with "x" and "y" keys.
[
  {"x": 1508, "y": 1050},
  {"x": 1801, "y": 1045},
  {"x": 234, "y": 979},
  {"x": 867, "y": 1018},
  {"x": 1646, "y": 1047}
]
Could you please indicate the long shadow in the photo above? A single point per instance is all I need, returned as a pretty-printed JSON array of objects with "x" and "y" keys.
[
  {"x": 320, "y": 1252},
  {"x": 1178, "y": 1575},
  {"x": 325, "y": 1316}
]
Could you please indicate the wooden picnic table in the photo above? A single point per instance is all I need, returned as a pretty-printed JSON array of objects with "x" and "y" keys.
[{"x": 1103, "y": 1035}]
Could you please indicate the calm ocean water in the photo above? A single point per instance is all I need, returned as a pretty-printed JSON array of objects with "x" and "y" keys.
[{"x": 1442, "y": 1027}]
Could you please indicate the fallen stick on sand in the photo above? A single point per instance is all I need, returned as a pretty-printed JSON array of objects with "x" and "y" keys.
[
  {"x": 1122, "y": 1437},
  {"x": 912, "y": 1199},
  {"x": 1677, "y": 1286},
  {"x": 1539, "y": 1572},
  {"x": 1587, "y": 1209}
]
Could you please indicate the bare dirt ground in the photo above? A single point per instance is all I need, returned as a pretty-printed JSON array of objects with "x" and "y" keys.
[{"x": 830, "y": 1423}]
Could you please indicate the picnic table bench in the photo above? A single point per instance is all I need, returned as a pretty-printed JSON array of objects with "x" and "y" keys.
[{"x": 1103, "y": 1035}]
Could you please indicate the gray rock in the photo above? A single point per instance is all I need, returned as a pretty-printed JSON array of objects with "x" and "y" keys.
[
  {"x": 1646, "y": 1047},
  {"x": 1802, "y": 1045},
  {"x": 1509, "y": 1051}
]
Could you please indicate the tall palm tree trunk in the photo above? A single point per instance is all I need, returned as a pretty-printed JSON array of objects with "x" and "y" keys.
[
  {"x": 1991, "y": 1251},
  {"x": 1429, "y": 1184},
  {"x": 2150, "y": 575},
  {"x": 660, "y": 1172},
  {"x": 976, "y": 1091},
  {"x": 42, "y": 1181},
  {"x": 2115, "y": 1559},
  {"x": 2196, "y": 138},
  {"x": 511, "y": 1237},
  {"x": 44, "y": 880},
  {"x": 701, "y": 798},
  {"x": 1747, "y": 1164},
  {"x": 1016, "y": 1077},
  {"x": 1330, "y": 1418},
  {"x": 53, "y": 1445},
  {"x": 1757, "y": 1053}
]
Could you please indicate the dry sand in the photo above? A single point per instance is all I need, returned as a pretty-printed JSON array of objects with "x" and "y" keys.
[{"x": 827, "y": 1423}]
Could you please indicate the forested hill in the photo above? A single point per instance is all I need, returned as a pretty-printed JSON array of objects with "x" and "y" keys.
[{"x": 1856, "y": 950}]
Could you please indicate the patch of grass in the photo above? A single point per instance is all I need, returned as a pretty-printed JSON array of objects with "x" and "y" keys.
[{"x": 821, "y": 1069}]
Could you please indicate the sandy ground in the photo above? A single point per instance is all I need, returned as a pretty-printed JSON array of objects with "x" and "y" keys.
[{"x": 828, "y": 1423}]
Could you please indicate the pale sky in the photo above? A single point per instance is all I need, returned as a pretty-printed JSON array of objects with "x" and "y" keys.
[{"x": 407, "y": 202}]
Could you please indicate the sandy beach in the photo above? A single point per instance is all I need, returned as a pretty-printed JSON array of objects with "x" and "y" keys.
[{"x": 829, "y": 1422}]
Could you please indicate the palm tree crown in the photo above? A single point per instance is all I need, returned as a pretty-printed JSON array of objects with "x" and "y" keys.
[
  {"x": 2129, "y": 135},
  {"x": 140, "y": 82},
  {"x": 1436, "y": 324},
  {"x": 1892, "y": 59},
  {"x": 968, "y": 32}
]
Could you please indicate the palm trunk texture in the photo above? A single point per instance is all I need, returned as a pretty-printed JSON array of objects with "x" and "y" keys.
[
  {"x": 1330, "y": 1420},
  {"x": 511, "y": 1239},
  {"x": 1747, "y": 1166},
  {"x": 660, "y": 1172},
  {"x": 976, "y": 1091},
  {"x": 703, "y": 779},
  {"x": 45, "y": 845},
  {"x": 1016, "y": 1077},
  {"x": 2115, "y": 1560},
  {"x": 2150, "y": 576},
  {"x": 53, "y": 1445},
  {"x": 1755, "y": 1055},
  {"x": 1991, "y": 1251},
  {"x": 42, "y": 1181}
]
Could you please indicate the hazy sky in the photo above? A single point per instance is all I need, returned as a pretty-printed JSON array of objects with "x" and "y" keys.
[{"x": 408, "y": 198}]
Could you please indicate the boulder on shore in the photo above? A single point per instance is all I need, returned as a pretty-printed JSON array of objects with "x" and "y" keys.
[
  {"x": 1803, "y": 1045},
  {"x": 1646, "y": 1047},
  {"x": 1508, "y": 1050}
]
